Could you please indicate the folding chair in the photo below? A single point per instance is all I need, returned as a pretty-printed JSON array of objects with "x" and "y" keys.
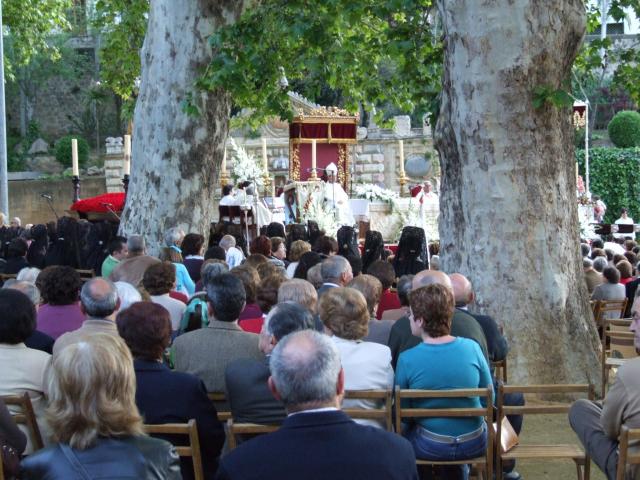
[
  {"x": 627, "y": 436},
  {"x": 192, "y": 450},
  {"x": 484, "y": 463},
  {"x": 86, "y": 274},
  {"x": 537, "y": 452},
  {"x": 382, "y": 413},
  {"x": 25, "y": 416},
  {"x": 249, "y": 429},
  {"x": 605, "y": 306},
  {"x": 501, "y": 369},
  {"x": 621, "y": 348},
  {"x": 220, "y": 399}
]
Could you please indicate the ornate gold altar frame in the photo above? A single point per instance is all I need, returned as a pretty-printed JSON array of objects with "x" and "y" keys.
[{"x": 325, "y": 116}]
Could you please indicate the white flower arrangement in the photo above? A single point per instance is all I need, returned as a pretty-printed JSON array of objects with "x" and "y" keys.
[
  {"x": 245, "y": 166},
  {"x": 313, "y": 209},
  {"x": 374, "y": 193}
]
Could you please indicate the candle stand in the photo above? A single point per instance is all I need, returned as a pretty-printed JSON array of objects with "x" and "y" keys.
[
  {"x": 76, "y": 187},
  {"x": 224, "y": 179},
  {"x": 402, "y": 180}
]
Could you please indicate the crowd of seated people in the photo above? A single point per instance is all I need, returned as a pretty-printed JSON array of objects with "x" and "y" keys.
[{"x": 198, "y": 322}]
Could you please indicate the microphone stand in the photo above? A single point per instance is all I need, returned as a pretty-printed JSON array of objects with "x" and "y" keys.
[
  {"x": 48, "y": 198},
  {"x": 108, "y": 206}
]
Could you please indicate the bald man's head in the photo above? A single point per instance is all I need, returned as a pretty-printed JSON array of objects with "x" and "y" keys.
[
  {"x": 462, "y": 289},
  {"x": 428, "y": 277}
]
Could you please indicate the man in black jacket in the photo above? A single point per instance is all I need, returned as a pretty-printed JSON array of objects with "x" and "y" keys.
[
  {"x": 249, "y": 396},
  {"x": 316, "y": 440},
  {"x": 463, "y": 292}
]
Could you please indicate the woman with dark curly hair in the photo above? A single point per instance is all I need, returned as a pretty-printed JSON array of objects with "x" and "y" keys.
[
  {"x": 146, "y": 329},
  {"x": 158, "y": 280},
  {"x": 60, "y": 290},
  {"x": 367, "y": 365}
]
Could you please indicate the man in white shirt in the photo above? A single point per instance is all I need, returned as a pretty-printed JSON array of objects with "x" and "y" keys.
[
  {"x": 228, "y": 199},
  {"x": 624, "y": 220}
]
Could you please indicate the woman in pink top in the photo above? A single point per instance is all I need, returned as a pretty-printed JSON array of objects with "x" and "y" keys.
[{"x": 60, "y": 289}]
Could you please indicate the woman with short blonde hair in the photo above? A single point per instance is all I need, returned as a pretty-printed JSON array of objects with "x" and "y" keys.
[
  {"x": 344, "y": 313},
  {"x": 297, "y": 249},
  {"x": 93, "y": 417},
  {"x": 299, "y": 291},
  {"x": 366, "y": 365}
]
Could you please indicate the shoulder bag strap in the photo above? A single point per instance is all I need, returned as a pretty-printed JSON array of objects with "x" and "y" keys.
[{"x": 75, "y": 463}]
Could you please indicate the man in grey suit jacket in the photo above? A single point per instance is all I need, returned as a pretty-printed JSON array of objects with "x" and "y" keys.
[
  {"x": 336, "y": 272},
  {"x": 206, "y": 352},
  {"x": 246, "y": 379}
]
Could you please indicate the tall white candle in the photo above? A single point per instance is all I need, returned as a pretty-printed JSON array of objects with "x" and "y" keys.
[
  {"x": 401, "y": 149},
  {"x": 265, "y": 164},
  {"x": 127, "y": 155},
  {"x": 74, "y": 157},
  {"x": 223, "y": 166},
  {"x": 313, "y": 157}
]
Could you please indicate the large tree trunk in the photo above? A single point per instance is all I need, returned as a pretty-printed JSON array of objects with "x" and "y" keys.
[
  {"x": 175, "y": 156},
  {"x": 508, "y": 205}
]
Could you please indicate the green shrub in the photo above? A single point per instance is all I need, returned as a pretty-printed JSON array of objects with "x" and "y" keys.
[
  {"x": 624, "y": 129},
  {"x": 614, "y": 174},
  {"x": 63, "y": 150}
]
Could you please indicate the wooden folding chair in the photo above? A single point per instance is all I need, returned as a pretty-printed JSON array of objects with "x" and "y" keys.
[
  {"x": 249, "y": 429},
  {"x": 500, "y": 369},
  {"x": 220, "y": 399},
  {"x": 382, "y": 413},
  {"x": 621, "y": 348},
  {"x": 606, "y": 306},
  {"x": 86, "y": 274},
  {"x": 538, "y": 452},
  {"x": 627, "y": 436},
  {"x": 483, "y": 464},
  {"x": 7, "y": 276},
  {"x": 192, "y": 450},
  {"x": 25, "y": 416}
]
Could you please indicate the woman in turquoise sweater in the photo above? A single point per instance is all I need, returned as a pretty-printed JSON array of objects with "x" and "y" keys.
[
  {"x": 172, "y": 253},
  {"x": 443, "y": 362}
]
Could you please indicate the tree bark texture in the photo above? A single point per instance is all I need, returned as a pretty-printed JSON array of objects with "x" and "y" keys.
[
  {"x": 508, "y": 203},
  {"x": 175, "y": 156}
]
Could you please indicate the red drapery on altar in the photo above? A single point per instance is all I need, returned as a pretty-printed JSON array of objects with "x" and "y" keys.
[{"x": 333, "y": 132}]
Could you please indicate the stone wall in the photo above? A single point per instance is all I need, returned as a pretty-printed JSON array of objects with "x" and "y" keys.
[{"x": 25, "y": 199}]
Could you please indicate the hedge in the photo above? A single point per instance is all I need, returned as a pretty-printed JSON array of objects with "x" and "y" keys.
[{"x": 615, "y": 176}]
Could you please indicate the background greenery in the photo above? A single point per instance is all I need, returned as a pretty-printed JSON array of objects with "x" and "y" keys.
[{"x": 614, "y": 175}]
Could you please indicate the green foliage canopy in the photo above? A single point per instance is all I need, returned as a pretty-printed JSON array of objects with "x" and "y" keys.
[
  {"x": 615, "y": 176},
  {"x": 30, "y": 23},
  {"x": 123, "y": 24},
  {"x": 591, "y": 66},
  {"x": 372, "y": 51}
]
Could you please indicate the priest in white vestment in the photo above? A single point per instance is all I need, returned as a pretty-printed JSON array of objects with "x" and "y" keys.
[{"x": 336, "y": 199}]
